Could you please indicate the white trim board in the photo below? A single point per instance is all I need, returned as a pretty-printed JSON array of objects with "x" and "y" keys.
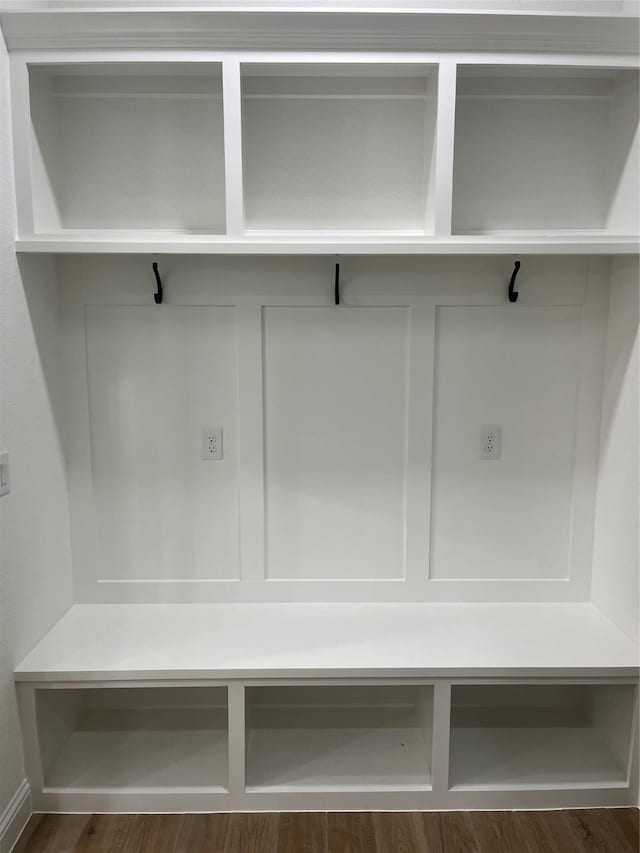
[
  {"x": 196, "y": 641},
  {"x": 278, "y": 244},
  {"x": 15, "y": 817},
  {"x": 278, "y": 28}
]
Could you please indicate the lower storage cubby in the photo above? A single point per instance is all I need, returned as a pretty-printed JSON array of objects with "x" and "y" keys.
[
  {"x": 143, "y": 739},
  {"x": 317, "y": 738},
  {"x": 541, "y": 736}
]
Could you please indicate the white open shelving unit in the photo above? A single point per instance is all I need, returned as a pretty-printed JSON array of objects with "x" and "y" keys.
[
  {"x": 398, "y": 719},
  {"x": 215, "y": 657},
  {"x": 413, "y": 155}
]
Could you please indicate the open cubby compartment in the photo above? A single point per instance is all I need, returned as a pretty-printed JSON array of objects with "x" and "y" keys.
[
  {"x": 533, "y": 736},
  {"x": 318, "y": 738},
  {"x": 344, "y": 147},
  {"x": 128, "y": 146},
  {"x": 546, "y": 149},
  {"x": 142, "y": 739}
]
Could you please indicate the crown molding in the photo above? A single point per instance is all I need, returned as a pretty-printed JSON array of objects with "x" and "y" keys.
[{"x": 278, "y": 29}]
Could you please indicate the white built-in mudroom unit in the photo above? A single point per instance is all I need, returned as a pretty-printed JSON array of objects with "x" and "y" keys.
[{"x": 336, "y": 322}]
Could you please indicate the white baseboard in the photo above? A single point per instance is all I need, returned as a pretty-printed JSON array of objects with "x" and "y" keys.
[{"x": 14, "y": 818}]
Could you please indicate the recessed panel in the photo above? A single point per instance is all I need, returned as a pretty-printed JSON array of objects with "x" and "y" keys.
[
  {"x": 157, "y": 378},
  {"x": 512, "y": 369},
  {"x": 335, "y": 442}
]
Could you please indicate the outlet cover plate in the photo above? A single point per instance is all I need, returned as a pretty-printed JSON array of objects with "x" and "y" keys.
[
  {"x": 5, "y": 485},
  {"x": 212, "y": 444},
  {"x": 491, "y": 442}
]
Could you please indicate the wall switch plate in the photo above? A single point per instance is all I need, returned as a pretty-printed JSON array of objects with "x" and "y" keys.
[
  {"x": 4, "y": 474},
  {"x": 212, "y": 444},
  {"x": 491, "y": 442}
]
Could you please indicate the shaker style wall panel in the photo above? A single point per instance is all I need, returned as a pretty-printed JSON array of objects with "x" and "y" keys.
[
  {"x": 329, "y": 466},
  {"x": 335, "y": 388},
  {"x": 517, "y": 369},
  {"x": 156, "y": 377}
]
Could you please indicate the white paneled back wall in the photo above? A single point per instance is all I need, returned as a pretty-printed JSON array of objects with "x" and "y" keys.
[{"x": 351, "y": 435}]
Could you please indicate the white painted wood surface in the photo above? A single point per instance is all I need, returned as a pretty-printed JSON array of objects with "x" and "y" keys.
[
  {"x": 616, "y": 555},
  {"x": 321, "y": 149},
  {"x": 347, "y": 738},
  {"x": 158, "y": 377},
  {"x": 325, "y": 488},
  {"x": 116, "y": 751},
  {"x": 288, "y": 243},
  {"x": 144, "y": 738},
  {"x": 359, "y": 758},
  {"x": 596, "y": 28},
  {"x": 545, "y": 162},
  {"x": 540, "y": 736},
  {"x": 336, "y": 412},
  {"x": 130, "y": 151},
  {"x": 541, "y": 151},
  {"x": 348, "y": 640},
  {"x": 525, "y": 758},
  {"x": 337, "y": 152},
  {"x": 519, "y": 370}
]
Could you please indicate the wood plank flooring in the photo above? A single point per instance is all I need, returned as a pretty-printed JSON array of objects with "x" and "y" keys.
[{"x": 572, "y": 831}]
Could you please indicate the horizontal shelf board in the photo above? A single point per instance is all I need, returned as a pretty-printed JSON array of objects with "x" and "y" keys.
[
  {"x": 583, "y": 243},
  {"x": 529, "y": 758},
  {"x": 104, "y": 755},
  {"x": 302, "y": 758},
  {"x": 131, "y": 642}
]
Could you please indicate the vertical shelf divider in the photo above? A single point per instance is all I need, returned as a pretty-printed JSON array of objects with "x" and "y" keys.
[
  {"x": 237, "y": 746},
  {"x": 441, "y": 736},
  {"x": 444, "y": 145},
  {"x": 232, "y": 106}
]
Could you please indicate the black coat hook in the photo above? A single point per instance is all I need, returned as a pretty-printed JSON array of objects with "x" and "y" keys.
[
  {"x": 513, "y": 294},
  {"x": 336, "y": 290},
  {"x": 157, "y": 296}
]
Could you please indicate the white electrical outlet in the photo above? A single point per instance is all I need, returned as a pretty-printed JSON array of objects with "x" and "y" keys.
[
  {"x": 491, "y": 442},
  {"x": 212, "y": 444},
  {"x": 4, "y": 474}
]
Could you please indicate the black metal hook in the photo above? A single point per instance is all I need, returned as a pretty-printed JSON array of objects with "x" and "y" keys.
[
  {"x": 157, "y": 297},
  {"x": 336, "y": 287},
  {"x": 513, "y": 294}
]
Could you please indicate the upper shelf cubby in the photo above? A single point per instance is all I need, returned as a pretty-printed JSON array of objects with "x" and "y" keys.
[
  {"x": 127, "y": 146},
  {"x": 339, "y": 147},
  {"x": 545, "y": 149}
]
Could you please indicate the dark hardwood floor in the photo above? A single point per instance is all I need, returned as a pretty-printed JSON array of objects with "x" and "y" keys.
[{"x": 575, "y": 831}]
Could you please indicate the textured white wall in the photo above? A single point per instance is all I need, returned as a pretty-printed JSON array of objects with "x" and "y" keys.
[
  {"x": 35, "y": 563},
  {"x": 616, "y": 565}
]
